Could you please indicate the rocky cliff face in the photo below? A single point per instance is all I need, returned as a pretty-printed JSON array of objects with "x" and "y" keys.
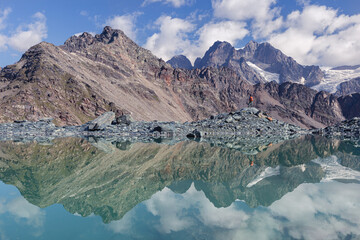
[
  {"x": 90, "y": 75},
  {"x": 350, "y": 105},
  {"x": 349, "y": 87},
  {"x": 263, "y": 55}
]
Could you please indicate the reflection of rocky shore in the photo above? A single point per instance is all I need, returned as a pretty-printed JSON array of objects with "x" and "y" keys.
[{"x": 88, "y": 180}]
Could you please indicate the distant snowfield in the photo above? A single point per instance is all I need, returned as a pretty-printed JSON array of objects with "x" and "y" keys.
[
  {"x": 329, "y": 84},
  {"x": 267, "y": 75},
  {"x": 334, "y": 77}
]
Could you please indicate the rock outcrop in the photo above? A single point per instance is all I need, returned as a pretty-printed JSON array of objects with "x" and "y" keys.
[
  {"x": 101, "y": 122},
  {"x": 346, "y": 130},
  {"x": 349, "y": 87}
]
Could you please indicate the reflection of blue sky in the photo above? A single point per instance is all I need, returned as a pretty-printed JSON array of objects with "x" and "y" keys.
[{"x": 16, "y": 208}]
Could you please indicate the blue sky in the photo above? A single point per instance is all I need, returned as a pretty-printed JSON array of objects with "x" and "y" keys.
[{"x": 322, "y": 32}]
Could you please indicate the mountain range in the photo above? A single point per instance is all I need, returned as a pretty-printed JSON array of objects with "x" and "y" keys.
[{"x": 89, "y": 75}]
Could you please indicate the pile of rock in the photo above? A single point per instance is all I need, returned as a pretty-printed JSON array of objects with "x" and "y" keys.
[
  {"x": 346, "y": 130},
  {"x": 246, "y": 130}
]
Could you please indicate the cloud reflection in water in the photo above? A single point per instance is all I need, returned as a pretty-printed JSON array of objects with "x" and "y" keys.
[{"x": 312, "y": 211}]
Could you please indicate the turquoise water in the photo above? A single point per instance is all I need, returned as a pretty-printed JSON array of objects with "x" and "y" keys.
[{"x": 302, "y": 189}]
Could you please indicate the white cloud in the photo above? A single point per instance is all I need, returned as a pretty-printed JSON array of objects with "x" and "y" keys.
[
  {"x": 3, "y": 15},
  {"x": 29, "y": 35},
  {"x": 229, "y": 31},
  {"x": 3, "y": 39},
  {"x": 175, "y": 3},
  {"x": 315, "y": 34},
  {"x": 175, "y": 37},
  {"x": 126, "y": 23},
  {"x": 264, "y": 18},
  {"x": 172, "y": 38},
  {"x": 244, "y": 9},
  {"x": 319, "y": 35}
]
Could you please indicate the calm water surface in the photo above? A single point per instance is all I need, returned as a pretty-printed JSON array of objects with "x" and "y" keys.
[{"x": 307, "y": 188}]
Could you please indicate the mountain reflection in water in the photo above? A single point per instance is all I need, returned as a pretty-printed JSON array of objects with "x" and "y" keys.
[{"x": 296, "y": 189}]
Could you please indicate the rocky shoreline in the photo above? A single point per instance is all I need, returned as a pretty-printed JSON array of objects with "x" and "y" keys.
[
  {"x": 248, "y": 130},
  {"x": 346, "y": 130}
]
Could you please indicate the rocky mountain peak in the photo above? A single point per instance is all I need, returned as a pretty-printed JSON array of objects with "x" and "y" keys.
[
  {"x": 107, "y": 36},
  {"x": 180, "y": 61},
  {"x": 251, "y": 47},
  {"x": 266, "y": 58},
  {"x": 216, "y": 56}
]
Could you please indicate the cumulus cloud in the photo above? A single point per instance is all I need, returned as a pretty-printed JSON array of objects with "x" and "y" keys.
[
  {"x": 244, "y": 9},
  {"x": 175, "y": 3},
  {"x": 314, "y": 34},
  {"x": 264, "y": 17},
  {"x": 319, "y": 35},
  {"x": 175, "y": 37},
  {"x": 172, "y": 38},
  {"x": 126, "y": 23},
  {"x": 29, "y": 35}
]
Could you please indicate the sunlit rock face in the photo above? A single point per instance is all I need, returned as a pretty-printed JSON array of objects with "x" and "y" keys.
[{"x": 87, "y": 180}]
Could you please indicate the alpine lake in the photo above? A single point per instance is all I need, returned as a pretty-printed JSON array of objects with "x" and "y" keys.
[{"x": 307, "y": 188}]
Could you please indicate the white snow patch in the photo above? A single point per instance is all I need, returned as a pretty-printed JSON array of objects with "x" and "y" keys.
[
  {"x": 333, "y": 78},
  {"x": 334, "y": 170},
  {"x": 268, "y": 172},
  {"x": 268, "y": 76},
  {"x": 302, "y": 80}
]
